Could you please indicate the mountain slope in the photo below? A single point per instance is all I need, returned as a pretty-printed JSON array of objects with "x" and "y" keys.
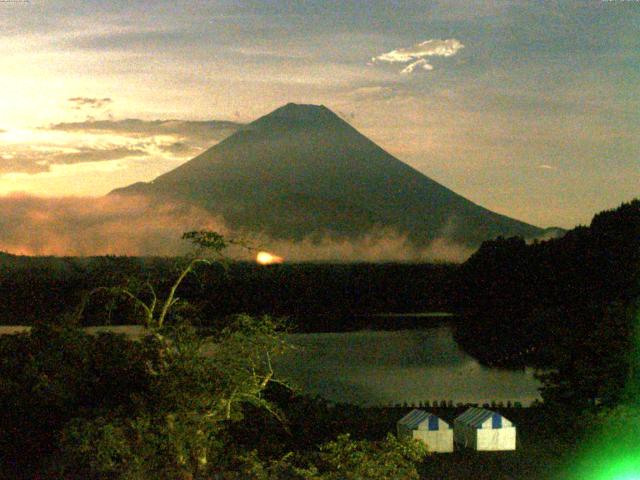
[{"x": 301, "y": 171}]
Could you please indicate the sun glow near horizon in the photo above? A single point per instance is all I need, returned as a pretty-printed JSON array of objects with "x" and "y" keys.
[{"x": 266, "y": 258}]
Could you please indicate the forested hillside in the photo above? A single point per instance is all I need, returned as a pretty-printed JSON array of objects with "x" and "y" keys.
[
  {"x": 567, "y": 303},
  {"x": 317, "y": 297}
]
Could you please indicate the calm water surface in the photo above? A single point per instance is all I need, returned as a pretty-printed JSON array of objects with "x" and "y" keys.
[{"x": 381, "y": 367}]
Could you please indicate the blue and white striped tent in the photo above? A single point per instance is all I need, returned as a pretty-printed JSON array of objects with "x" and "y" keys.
[
  {"x": 427, "y": 427},
  {"x": 482, "y": 429},
  {"x": 481, "y": 418}
]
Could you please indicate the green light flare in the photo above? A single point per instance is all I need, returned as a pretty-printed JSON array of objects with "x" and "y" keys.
[
  {"x": 608, "y": 460},
  {"x": 623, "y": 469},
  {"x": 613, "y": 453}
]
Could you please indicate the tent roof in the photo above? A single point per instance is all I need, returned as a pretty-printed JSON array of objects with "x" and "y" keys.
[
  {"x": 416, "y": 419},
  {"x": 479, "y": 417}
]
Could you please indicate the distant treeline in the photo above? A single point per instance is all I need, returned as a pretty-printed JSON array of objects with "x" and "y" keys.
[
  {"x": 568, "y": 303},
  {"x": 315, "y": 296}
]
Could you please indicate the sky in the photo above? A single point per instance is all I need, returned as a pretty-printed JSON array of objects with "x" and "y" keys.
[{"x": 530, "y": 109}]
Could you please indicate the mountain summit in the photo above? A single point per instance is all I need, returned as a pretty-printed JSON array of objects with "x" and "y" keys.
[
  {"x": 302, "y": 171},
  {"x": 294, "y": 112}
]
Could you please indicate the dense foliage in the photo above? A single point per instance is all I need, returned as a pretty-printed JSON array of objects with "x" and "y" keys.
[
  {"x": 566, "y": 304},
  {"x": 114, "y": 406},
  {"x": 317, "y": 297}
]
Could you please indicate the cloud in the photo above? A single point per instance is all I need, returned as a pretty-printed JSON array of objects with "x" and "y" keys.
[
  {"x": 30, "y": 160},
  {"x": 179, "y": 148},
  {"x": 205, "y": 130},
  {"x": 371, "y": 91},
  {"x": 429, "y": 48},
  {"x": 417, "y": 54},
  {"x": 123, "y": 40},
  {"x": 418, "y": 63},
  {"x": 544, "y": 166},
  {"x": 384, "y": 245},
  {"x": 81, "y": 102},
  {"x": 92, "y": 141},
  {"x": 97, "y": 226},
  {"x": 10, "y": 163},
  {"x": 87, "y": 154},
  {"x": 135, "y": 225}
]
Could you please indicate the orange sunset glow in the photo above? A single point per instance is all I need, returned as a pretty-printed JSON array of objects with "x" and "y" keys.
[{"x": 266, "y": 258}]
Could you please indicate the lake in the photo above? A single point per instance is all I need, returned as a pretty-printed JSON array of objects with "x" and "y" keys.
[{"x": 382, "y": 367}]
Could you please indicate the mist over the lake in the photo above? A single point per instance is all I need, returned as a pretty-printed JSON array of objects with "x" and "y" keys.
[{"x": 141, "y": 226}]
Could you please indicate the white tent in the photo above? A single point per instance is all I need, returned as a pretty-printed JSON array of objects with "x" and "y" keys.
[
  {"x": 482, "y": 429},
  {"x": 430, "y": 429}
]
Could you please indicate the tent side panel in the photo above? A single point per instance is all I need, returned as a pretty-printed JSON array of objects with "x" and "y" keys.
[
  {"x": 445, "y": 441},
  {"x": 497, "y": 439},
  {"x": 436, "y": 440},
  {"x": 508, "y": 438}
]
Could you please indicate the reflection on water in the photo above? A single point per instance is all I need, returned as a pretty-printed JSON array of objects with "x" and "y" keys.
[{"x": 382, "y": 367}]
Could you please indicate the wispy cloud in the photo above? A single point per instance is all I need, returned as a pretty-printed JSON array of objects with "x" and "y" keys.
[
  {"x": 207, "y": 130},
  {"x": 544, "y": 166},
  {"x": 418, "y": 63},
  {"x": 416, "y": 55},
  {"x": 88, "y": 154},
  {"x": 42, "y": 150},
  {"x": 90, "y": 226},
  {"x": 371, "y": 91},
  {"x": 32, "y": 160},
  {"x": 79, "y": 103}
]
